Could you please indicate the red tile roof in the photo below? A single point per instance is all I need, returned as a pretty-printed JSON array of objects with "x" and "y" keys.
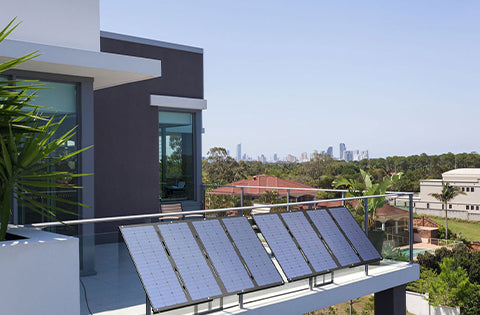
[{"x": 258, "y": 181}]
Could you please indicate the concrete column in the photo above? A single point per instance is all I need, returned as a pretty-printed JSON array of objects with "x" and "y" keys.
[
  {"x": 391, "y": 301},
  {"x": 396, "y": 227},
  {"x": 383, "y": 226}
]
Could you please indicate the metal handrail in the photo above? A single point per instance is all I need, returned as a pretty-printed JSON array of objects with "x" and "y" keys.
[
  {"x": 240, "y": 209},
  {"x": 159, "y": 215}
]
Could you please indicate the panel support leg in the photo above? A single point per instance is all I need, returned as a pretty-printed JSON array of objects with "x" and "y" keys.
[
  {"x": 240, "y": 300},
  {"x": 147, "y": 304}
]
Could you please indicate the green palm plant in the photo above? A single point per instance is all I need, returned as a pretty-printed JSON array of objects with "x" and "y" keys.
[
  {"x": 367, "y": 187},
  {"x": 448, "y": 193},
  {"x": 29, "y": 148}
]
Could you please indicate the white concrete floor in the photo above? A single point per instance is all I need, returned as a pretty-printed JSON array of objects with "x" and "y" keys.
[{"x": 116, "y": 285}]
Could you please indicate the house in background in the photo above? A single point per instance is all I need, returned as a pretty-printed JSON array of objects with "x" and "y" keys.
[
  {"x": 466, "y": 207},
  {"x": 257, "y": 186},
  {"x": 139, "y": 102}
]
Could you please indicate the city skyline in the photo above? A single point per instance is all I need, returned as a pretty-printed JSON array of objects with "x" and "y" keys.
[{"x": 399, "y": 77}]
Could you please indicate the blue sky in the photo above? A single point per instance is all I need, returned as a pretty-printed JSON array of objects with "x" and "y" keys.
[{"x": 393, "y": 77}]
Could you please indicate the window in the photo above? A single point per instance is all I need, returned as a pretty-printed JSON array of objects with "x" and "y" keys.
[
  {"x": 443, "y": 206},
  {"x": 472, "y": 189},
  {"x": 60, "y": 100},
  {"x": 468, "y": 189},
  {"x": 449, "y": 206},
  {"x": 467, "y": 207},
  {"x": 428, "y": 206},
  {"x": 463, "y": 188},
  {"x": 176, "y": 150},
  {"x": 476, "y": 208}
]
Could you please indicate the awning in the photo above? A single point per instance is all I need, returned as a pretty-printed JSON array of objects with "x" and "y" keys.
[{"x": 106, "y": 69}]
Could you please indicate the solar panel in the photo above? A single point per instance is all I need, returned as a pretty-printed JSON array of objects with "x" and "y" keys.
[
  {"x": 191, "y": 263},
  {"x": 355, "y": 234},
  {"x": 252, "y": 251},
  {"x": 307, "y": 238},
  {"x": 333, "y": 237},
  {"x": 284, "y": 248},
  {"x": 223, "y": 256},
  {"x": 158, "y": 277}
]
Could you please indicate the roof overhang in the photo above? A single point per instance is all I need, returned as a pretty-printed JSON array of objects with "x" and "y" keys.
[
  {"x": 106, "y": 69},
  {"x": 178, "y": 102}
]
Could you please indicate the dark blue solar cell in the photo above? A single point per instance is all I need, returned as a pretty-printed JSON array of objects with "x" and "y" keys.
[
  {"x": 355, "y": 234},
  {"x": 155, "y": 271},
  {"x": 309, "y": 241},
  {"x": 333, "y": 237},
  {"x": 223, "y": 256},
  {"x": 252, "y": 251},
  {"x": 190, "y": 261},
  {"x": 284, "y": 248}
]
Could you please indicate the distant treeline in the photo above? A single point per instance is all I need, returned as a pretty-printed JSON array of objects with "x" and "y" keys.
[{"x": 219, "y": 168}]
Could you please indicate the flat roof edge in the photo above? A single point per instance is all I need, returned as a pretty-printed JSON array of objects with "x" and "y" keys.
[{"x": 152, "y": 42}]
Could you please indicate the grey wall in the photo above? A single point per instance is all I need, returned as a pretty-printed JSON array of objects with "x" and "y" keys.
[{"x": 126, "y": 129}]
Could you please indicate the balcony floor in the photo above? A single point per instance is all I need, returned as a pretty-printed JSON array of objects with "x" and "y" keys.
[{"x": 116, "y": 288}]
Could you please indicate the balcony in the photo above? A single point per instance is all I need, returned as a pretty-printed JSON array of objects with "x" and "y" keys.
[{"x": 111, "y": 285}]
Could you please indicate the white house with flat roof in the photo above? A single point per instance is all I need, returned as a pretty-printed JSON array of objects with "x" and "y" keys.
[{"x": 466, "y": 207}]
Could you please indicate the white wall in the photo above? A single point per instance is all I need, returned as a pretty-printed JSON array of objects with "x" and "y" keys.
[
  {"x": 40, "y": 275},
  {"x": 66, "y": 23},
  {"x": 418, "y": 305}
]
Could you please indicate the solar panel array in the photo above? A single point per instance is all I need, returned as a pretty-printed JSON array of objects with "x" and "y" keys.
[
  {"x": 334, "y": 238},
  {"x": 282, "y": 245},
  {"x": 355, "y": 234},
  {"x": 223, "y": 256},
  {"x": 185, "y": 263},
  {"x": 252, "y": 251},
  {"x": 309, "y": 241}
]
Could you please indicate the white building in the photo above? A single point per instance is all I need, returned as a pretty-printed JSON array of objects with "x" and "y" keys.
[{"x": 465, "y": 207}]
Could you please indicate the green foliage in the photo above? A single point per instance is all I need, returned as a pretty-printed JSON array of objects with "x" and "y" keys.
[
  {"x": 367, "y": 187},
  {"x": 452, "y": 286},
  {"x": 390, "y": 252},
  {"x": 29, "y": 148}
]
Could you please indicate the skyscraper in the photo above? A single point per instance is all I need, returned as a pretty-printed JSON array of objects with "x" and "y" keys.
[
  {"x": 343, "y": 148},
  {"x": 330, "y": 151},
  {"x": 239, "y": 152}
]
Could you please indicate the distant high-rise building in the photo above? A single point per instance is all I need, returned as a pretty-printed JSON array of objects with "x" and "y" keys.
[
  {"x": 330, "y": 151},
  {"x": 239, "y": 152},
  {"x": 364, "y": 154},
  {"x": 348, "y": 155},
  {"x": 343, "y": 148},
  {"x": 304, "y": 157},
  {"x": 291, "y": 158},
  {"x": 275, "y": 157}
]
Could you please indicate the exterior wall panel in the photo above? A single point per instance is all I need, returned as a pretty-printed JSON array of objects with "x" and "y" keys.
[{"x": 126, "y": 130}]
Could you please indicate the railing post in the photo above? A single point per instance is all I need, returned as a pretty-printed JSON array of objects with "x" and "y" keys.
[
  {"x": 240, "y": 212},
  {"x": 343, "y": 199},
  {"x": 365, "y": 205},
  {"x": 288, "y": 199},
  {"x": 410, "y": 226}
]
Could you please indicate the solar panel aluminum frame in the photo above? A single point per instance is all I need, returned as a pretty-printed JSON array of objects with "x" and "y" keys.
[
  {"x": 207, "y": 260},
  {"x": 360, "y": 263},
  {"x": 180, "y": 280},
  {"x": 257, "y": 286},
  {"x": 306, "y": 276},
  {"x": 370, "y": 261},
  {"x": 324, "y": 244}
]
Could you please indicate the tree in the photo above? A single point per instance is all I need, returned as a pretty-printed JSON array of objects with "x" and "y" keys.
[
  {"x": 452, "y": 286},
  {"x": 448, "y": 193},
  {"x": 367, "y": 187}
]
